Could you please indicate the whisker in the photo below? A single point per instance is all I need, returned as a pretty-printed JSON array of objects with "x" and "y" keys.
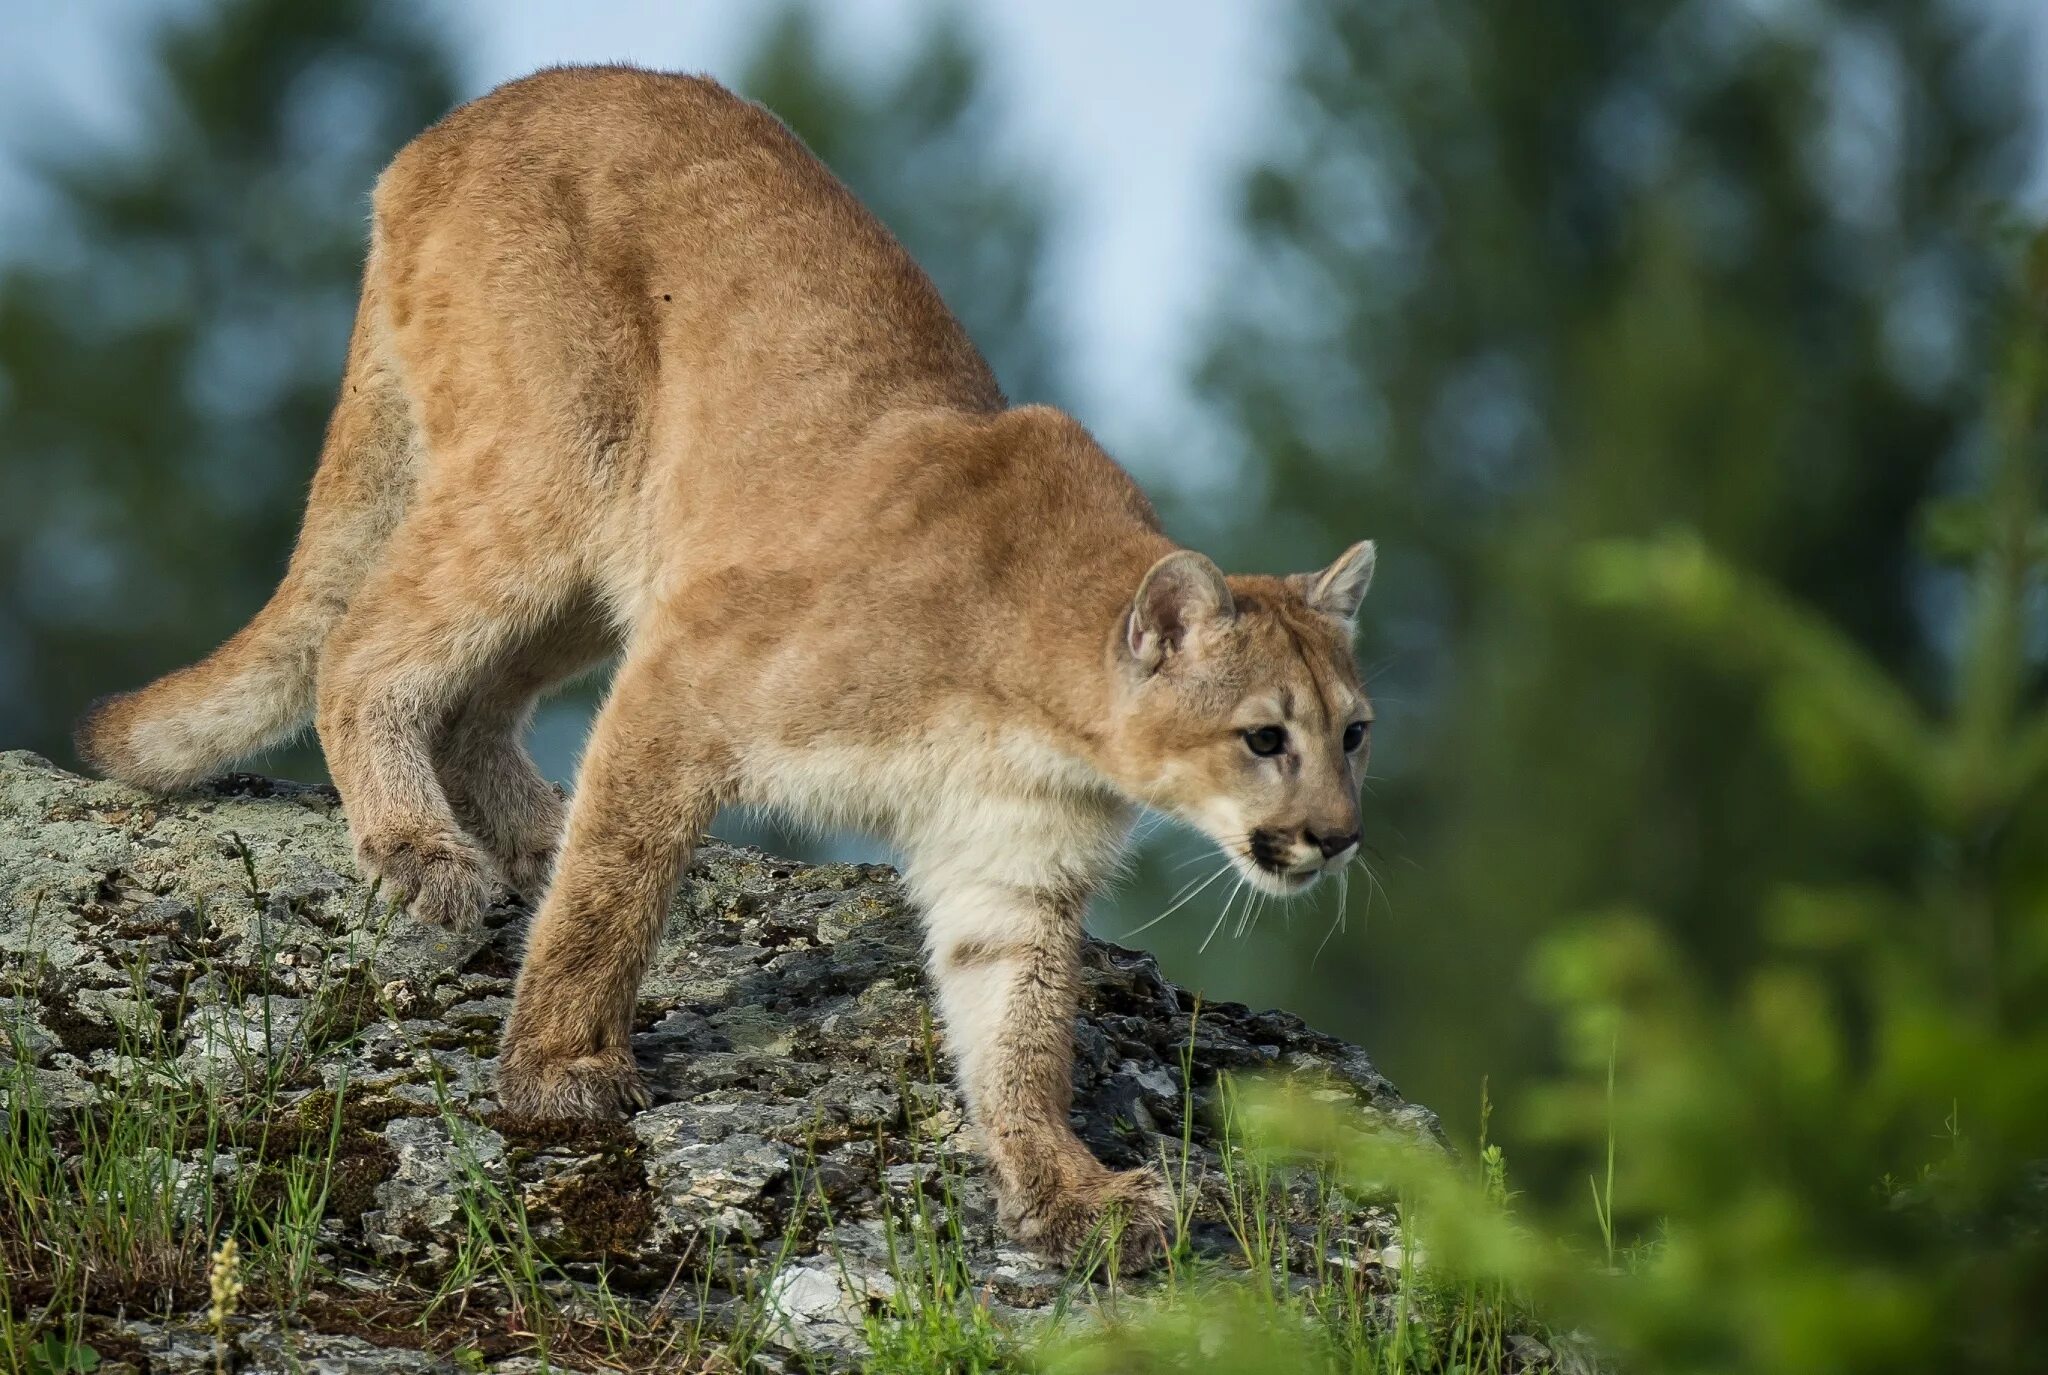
[
  {"x": 1227, "y": 844},
  {"x": 1181, "y": 902},
  {"x": 1337, "y": 924},
  {"x": 1254, "y": 908},
  {"x": 1259, "y": 906},
  {"x": 1221, "y": 915},
  {"x": 1401, "y": 836},
  {"x": 1181, "y": 891},
  {"x": 1381, "y": 888}
]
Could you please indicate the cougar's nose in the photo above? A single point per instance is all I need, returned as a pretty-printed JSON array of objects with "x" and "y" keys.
[{"x": 1333, "y": 845}]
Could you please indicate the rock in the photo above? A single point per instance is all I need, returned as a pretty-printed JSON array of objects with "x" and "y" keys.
[
  {"x": 439, "y": 1160},
  {"x": 804, "y": 1123},
  {"x": 810, "y": 1303}
]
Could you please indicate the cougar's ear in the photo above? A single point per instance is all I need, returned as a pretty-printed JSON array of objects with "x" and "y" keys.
[
  {"x": 1338, "y": 589},
  {"x": 1180, "y": 593}
]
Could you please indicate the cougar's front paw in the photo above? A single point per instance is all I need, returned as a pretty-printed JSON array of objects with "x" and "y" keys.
[
  {"x": 589, "y": 1087},
  {"x": 1132, "y": 1207},
  {"x": 439, "y": 877}
]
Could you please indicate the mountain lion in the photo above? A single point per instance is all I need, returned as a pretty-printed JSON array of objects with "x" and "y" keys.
[{"x": 634, "y": 374}]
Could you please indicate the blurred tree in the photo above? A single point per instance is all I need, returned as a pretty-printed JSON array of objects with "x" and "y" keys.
[
  {"x": 1524, "y": 276},
  {"x": 169, "y": 355}
]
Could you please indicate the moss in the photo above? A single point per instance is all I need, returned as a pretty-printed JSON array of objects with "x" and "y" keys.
[
  {"x": 606, "y": 1207},
  {"x": 361, "y": 1160},
  {"x": 342, "y": 1009},
  {"x": 543, "y": 1133},
  {"x": 495, "y": 962},
  {"x": 354, "y": 1177},
  {"x": 362, "y": 1109}
]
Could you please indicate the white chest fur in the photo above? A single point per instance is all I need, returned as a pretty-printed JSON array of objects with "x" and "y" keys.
[{"x": 962, "y": 801}]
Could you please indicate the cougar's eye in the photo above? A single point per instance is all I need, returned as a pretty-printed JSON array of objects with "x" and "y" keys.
[
  {"x": 1266, "y": 741},
  {"x": 1354, "y": 736}
]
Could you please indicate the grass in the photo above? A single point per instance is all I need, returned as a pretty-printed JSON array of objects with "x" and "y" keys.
[
  {"x": 1371, "y": 1302},
  {"x": 108, "y": 1210},
  {"x": 1603, "y": 1194}
]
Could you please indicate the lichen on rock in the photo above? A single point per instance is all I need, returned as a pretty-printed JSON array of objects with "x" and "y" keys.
[{"x": 802, "y": 1102}]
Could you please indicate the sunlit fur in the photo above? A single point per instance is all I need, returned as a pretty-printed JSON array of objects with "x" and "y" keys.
[{"x": 633, "y": 372}]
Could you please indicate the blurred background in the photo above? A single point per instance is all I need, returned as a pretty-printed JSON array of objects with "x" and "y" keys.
[{"x": 1490, "y": 282}]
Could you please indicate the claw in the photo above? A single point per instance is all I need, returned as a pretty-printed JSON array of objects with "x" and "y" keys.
[
  {"x": 589, "y": 1087},
  {"x": 1066, "y": 1225}
]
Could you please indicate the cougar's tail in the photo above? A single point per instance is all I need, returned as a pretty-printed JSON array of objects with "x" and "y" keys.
[{"x": 257, "y": 689}]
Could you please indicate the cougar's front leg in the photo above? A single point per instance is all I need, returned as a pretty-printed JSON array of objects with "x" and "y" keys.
[
  {"x": 647, "y": 789},
  {"x": 1006, "y": 962}
]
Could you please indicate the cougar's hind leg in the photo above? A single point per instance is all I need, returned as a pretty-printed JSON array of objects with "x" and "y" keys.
[
  {"x": 492, "y": 784},
  {"x": 452, "y": 594}
]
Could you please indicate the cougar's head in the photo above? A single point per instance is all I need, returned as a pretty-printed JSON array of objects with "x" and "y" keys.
[{"x": 1239, "y": 711}]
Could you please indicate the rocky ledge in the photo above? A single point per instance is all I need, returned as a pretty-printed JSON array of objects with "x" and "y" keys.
[{"x": 804, "y": 1128}]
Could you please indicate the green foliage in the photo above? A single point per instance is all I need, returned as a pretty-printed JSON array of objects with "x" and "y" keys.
[
  {"x": 54, "y": 1355},
  {"x": 1377, "y": 1302},
  {"x": 1850, "y": 1141},
  {"x": 933, "y": 1320}
]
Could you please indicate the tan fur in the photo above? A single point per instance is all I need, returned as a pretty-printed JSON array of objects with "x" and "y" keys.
[{"x": 633, "y": 371}]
